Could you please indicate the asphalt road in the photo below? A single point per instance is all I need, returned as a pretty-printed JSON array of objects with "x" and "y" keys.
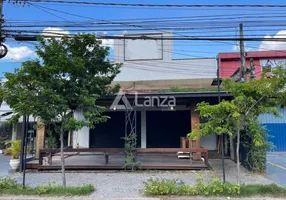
[
  {"x": 4, "y": 165},
  {"x": 276, "y": 167}
]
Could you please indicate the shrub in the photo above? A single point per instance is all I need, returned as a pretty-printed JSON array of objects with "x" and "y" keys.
[
  {"x": 14, "y": 149},
  {"x": 8, "y": 183},
  {"x": 52, "y": 142},
  {"x": 177, "y": 187},
  {"x": 213, "y": 188},
  {"x": 10, "y": 186},
  {"x": 263, "y": 190}
]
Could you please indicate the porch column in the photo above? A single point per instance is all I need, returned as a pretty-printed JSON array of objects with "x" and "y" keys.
[
  {"x": 81, "y": 136},
  {"x": 16, "y": 131},
  {"x": 195, "y": 120},
  {"x": 143, "y": 130},
  {"x": 40, "y": 140}
]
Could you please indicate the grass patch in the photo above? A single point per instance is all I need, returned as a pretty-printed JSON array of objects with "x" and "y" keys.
[
  {"x": 213, "y": 188},
  {"x": 9, "y": 186},
  {"x": 263, "y": 190}
]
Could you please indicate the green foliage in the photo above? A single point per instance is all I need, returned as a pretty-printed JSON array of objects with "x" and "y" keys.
[
  {"x": 256, "y": 144},
  {"x": 8, "y": 183},
  {"x": 239, "y": 116},
  {"x": 2, "y": 141},
  {"x": 71, "y": 74},
  {"x": 14, "y": 149},
  {"x": 180, "y": 89},
  {"x": 193, "y": 135},
  {"x": 176, "y": 187},
  {"x": 263, "y": 190},
  {"x": 9, "y": 186},
  {"x": 29, "y": 149},
  {"x": 130, "y": 152},
  {"x": 223, "y": 118},
  {"x": 52, "y": 142},
  {"x": 213, "y": 188}
]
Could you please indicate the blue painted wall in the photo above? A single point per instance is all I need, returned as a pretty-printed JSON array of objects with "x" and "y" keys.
[
  {"x": 277, "y": 135},
  {"x": 271, "y": 119},
  {"x": 276, "y": 128}
]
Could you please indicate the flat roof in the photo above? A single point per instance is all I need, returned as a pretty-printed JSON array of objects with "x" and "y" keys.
[
  {"x": 176, "y": 94},
  {"x": 253, "y": 54}
]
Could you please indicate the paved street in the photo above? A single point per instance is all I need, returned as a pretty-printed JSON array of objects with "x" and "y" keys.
[
  {"x": 4, "y": 165},
  {"x": 276, "y": 167}
]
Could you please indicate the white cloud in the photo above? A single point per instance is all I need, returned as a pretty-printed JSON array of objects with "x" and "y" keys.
[
  {"x": 54, "y": 32},
  {"x": 58, "y": 32},
  {"x": 273, "y": 45},
  {"x": 108, "y": 43},
  {"x": 17, "y": 53},
  {"x": 236, "y": 47}
]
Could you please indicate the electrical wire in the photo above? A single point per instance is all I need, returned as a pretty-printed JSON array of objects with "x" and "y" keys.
[{"x": 161, "y": 5}]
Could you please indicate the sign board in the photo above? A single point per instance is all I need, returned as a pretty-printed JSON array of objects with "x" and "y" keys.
[
  {"x": 143, "y": 49},
  {"x": 269, "y": 64}
]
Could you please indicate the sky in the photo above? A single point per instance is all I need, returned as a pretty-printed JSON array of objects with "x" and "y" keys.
[{"x": 22, "y": 51}]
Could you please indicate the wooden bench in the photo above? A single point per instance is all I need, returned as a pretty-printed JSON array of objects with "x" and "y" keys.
[
  {"x": 80, "y": 152},
  {"x": 202, "y": 150}
]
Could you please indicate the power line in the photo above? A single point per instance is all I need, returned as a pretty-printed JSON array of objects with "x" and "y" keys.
[
  {"x": 144, "y": 37},
  {"x": 161, "y": 5}
]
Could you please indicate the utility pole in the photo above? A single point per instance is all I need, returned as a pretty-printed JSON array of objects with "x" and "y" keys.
[
  {"x": 252, "y": 69},
  {"x": 242, "y": 54},
  {"x": 3, "y": 48},
  {"x": 2, "y": 20}
]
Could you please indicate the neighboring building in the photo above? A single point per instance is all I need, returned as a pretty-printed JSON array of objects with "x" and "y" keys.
[
  {"x": 230, "y": 62},
  {"x": 276, "y": 129},
  {"x": 153, "y": 60}
]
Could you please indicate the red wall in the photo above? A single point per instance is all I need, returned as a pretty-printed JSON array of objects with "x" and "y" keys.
[
  {"x": 230, "y": 62},
  {"x": 228, "y": 67}
]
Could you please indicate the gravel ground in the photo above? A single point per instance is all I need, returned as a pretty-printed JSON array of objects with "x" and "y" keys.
[{"x": 126, "y": 184}]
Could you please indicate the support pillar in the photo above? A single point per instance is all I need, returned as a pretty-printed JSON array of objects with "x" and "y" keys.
[
  {"x": 16, "y": 131},
  {"x": 40, "y": 140},
  {"x": 80, "y": 137},
  {"x": 195, "y": 120},
  {"x": 143, "y": 130}
]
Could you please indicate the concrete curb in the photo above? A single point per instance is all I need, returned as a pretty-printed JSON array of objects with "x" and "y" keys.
[
  {"x": 70, "y": 198},
  {"x": 130, "y": 198}
]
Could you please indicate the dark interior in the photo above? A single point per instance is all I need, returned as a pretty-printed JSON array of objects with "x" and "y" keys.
[
  {"x": 109, "y": 134},
  {"x": 164, "y": 128}
]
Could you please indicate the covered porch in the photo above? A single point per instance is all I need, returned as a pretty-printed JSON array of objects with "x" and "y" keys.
[
  {"x": 160, "y": 137},
  {"x": 113, "y": 158}
]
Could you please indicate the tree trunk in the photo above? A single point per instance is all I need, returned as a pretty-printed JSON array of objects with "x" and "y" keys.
[
  {"x": 237, "y": 155},
  {"x": 231, "y": 146},
  {"x": 62, "y": 158}
]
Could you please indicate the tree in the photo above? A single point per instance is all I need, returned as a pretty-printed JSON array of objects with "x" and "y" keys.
[
  {"x": 69, "y": 75},
  {"x": 234, "y": 117}
]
